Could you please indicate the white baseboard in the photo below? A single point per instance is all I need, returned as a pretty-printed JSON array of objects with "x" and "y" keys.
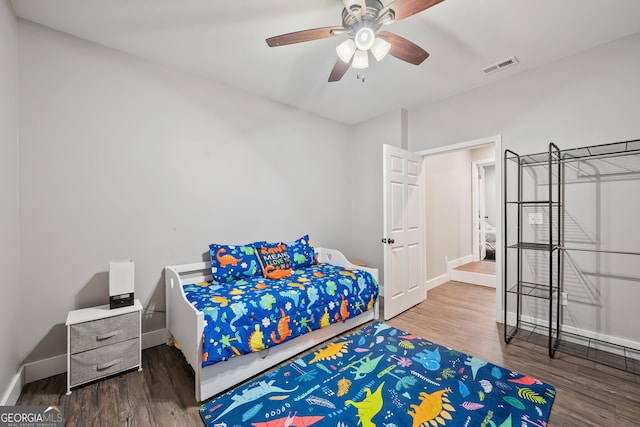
[
  {"x": 12, "y": 393},
  {"x": 457, "y": 262},
  {"x": 154, "y": 338},
  {"x": 444, "y": 278},
  {"x": 606, "y": 339},
  {"x": 39, "y": 369},
  {"x": 474, "y": 278},
  {"x": 467, "y": 276},
  {"x": 34, "y": 371},
  {"x": 436, "y": 281}
]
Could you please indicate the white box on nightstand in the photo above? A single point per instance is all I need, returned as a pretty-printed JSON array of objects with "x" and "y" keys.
[{"x": 121, "y": 281}]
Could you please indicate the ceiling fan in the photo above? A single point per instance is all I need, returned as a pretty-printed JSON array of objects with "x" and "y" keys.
[{"x": 362, "y": 21}]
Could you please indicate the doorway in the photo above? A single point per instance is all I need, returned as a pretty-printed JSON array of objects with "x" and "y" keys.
[
  {"x": 482, "y": 268},
  {"x": 484, "y": 212},
  {"x": 450, "y": 243}
]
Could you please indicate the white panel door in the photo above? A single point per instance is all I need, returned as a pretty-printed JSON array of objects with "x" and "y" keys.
[{"x": 403, "y": 260}]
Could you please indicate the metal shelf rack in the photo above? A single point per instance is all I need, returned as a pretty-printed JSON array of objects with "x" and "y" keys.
[
  {"x": 541, "y": 203},
  {"x": 520, "y": 287}
]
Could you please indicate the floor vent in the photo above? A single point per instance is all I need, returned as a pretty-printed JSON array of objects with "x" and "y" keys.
[{"x": 500, "y": 65}]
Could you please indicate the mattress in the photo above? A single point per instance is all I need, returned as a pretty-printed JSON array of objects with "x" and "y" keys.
[
  {"x": 253, "y": 314},
  {"x": 490, "y": 236}
]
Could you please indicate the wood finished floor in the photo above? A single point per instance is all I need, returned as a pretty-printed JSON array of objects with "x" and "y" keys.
[
  {"x": 483, "y": 267},
  {"x": 456, "y": 315}
]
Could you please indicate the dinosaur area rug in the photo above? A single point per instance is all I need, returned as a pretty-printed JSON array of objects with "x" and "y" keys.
[{"x": 380, "y": 376}]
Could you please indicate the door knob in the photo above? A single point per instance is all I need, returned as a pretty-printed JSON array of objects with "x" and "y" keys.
[
  {"x": 389, "y": 241},
  {"x": 384, "y": 240}
]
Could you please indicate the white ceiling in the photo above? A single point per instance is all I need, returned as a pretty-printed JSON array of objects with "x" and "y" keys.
[{"x": 225, "y": 41}]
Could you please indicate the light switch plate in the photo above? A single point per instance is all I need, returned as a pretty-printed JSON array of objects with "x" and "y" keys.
[{"x": 536, "y": 218}]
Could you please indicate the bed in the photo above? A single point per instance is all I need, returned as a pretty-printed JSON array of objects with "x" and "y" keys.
[
  {"x": 490, "y": 240},
  {"x": 225, "y": 361}
]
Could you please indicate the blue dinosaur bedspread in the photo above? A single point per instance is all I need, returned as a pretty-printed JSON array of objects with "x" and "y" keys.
[{"x": 255, "y": 313}]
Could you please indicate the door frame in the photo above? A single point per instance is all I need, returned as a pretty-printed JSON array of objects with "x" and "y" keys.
[{"x": 497, "y": 140}]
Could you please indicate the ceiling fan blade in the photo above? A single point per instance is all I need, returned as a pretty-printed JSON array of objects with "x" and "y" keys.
[
  {"x": 404, "y": 49},
  {"x": 405, "y": 8},
  {"x": 339, "y": 70},
  {"x": 361, "y": 3},
  {"x": 304, "y": 36}
]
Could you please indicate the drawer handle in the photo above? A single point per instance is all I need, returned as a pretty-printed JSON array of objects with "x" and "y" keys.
[
  {"x": 106, "y": 336},
  {"x": 107, "y": 365}
]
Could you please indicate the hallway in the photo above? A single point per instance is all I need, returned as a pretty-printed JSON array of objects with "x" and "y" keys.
[
  {"x": 482, "y": 267},
  {"x": 478, "y": 273}
]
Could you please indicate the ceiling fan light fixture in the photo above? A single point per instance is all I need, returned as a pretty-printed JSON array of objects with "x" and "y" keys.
[
  {"x": 387, "y": 18},
  {"x": 360, "y": 59},
  {"x": 362, "y": 20},
  {"x": 380, "y": 48},
  {"x": 364, "y": 38},
  {"x": 346, "y": 49}
]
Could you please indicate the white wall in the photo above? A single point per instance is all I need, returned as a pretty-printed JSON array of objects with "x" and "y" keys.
[
  {"x": 449, "y": 205},
  {"x": 448, "y": 220},
  {"x": 590, "y": 98},
  {"x": 366, "y": 186},
  {"x": 111, "y": 146},
  {"x": 9, "y": 200},
  {"x": 121, "y": 158}
]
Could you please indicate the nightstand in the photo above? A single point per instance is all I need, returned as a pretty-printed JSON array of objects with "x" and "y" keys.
[{"x": 102, "y": 342}]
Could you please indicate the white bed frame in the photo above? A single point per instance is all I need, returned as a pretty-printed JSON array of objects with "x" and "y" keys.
[{"x": 185, "y": 325}]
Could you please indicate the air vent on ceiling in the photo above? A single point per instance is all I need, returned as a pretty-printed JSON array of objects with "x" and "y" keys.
[{"x": 500, "y": 65}]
